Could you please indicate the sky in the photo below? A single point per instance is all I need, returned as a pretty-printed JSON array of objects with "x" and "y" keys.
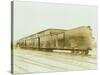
[{"x": 32, "y": 17}]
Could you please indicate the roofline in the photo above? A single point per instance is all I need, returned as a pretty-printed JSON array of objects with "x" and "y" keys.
[{"x": 53, "y": 29}]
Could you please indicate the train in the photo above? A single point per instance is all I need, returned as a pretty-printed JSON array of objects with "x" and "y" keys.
[{"x": 77, "y": 40}]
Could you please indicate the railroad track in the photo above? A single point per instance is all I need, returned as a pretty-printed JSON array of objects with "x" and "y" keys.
[
  {"x": 46, "y": 66},
  {"x": 83, "y": 65},
  {"x": 87, "y": 58},
  {"x": 52, "y": 62}
]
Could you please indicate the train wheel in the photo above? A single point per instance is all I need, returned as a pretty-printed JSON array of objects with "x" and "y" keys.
[
  {"x": 82, "y": 52},
  {"x": 76, "y": 52},
  {"x": 86, "y": 52},
  {"x": 73, "y": 51}
]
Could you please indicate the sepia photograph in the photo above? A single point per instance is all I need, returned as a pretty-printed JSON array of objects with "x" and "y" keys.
[{"x": 53, "y": 37}]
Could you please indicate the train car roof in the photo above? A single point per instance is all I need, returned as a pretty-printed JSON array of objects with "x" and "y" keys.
[{"x": 53, "y": 29}]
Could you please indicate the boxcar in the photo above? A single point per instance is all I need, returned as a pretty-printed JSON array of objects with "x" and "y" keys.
[{"x": 78, "y": 40}]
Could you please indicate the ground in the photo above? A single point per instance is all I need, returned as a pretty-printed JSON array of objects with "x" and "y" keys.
[{"x": 33, "y": 61}]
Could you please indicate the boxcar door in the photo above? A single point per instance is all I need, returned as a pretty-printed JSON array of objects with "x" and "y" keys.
[{"x": 60, "y": 41}]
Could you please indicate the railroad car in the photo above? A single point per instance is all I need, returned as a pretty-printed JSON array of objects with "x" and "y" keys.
[{"x": 78, "y": 40}]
